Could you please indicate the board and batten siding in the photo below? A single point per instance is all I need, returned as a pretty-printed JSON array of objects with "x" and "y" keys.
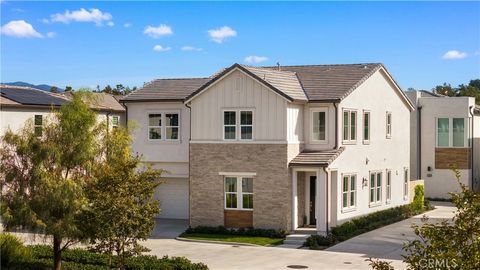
[{"x": 239, "y": 91}]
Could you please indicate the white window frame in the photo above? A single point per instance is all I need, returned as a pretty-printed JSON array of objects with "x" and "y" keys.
[
  {"x": 450, "y": 132},
  {"x": 35, "y": 126},
  {"x": 349, "y": 191},
  {"x": 388, "y": 125},
  {"x": 113, "y": 122},
  {"x": 406, "y": 183},
  {"x": 376, "y": 201},
  {"x": 367, "y": 140},
  {"x": 315, "y": 110},
  {"x": 239, "y": 192},
  {"x": 349, "y": 139},
  {"x": 238, "y": 126},
  {"x": 163, "y": 132},
  {"x": 388, "y": 186}
]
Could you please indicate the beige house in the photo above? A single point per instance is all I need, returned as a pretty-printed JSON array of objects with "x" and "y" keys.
[{"x": 276, "y": 147}]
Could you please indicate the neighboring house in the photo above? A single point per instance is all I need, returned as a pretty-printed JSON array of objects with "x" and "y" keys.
[
  {"x": 445, "y": 131},
  {"x": 276, "y": 147},
  {"x": 19, "y": 104}
]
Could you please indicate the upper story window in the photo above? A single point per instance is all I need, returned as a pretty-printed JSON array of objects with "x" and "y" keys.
[
  {"x": 238, "y": 192},
  {"x": 451, "y": 132},
  {"x": 375, "y": 188},
  {"x": 38, "y": 125},
  {"x": 163, "y": 126},
  {"x": 349, "y": 189},
  {"x": 238, "y": 125},
  {"x": 115, "y": 121},
  {"x": 319, "y": 125},
  {"x": 389, "y": 125},
  {"x": 389, "y": 186},
  {"x": 366, "y": 126},
  {"x": 349, "y": 126}
]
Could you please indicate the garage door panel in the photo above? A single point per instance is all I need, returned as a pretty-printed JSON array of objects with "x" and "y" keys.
[{"x": 173, "y": 197}]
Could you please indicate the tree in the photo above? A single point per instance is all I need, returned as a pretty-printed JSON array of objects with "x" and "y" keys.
[
  {"x": 121, "y": 193},
  {"x": 451, "y": 244},
  {"x": 54, "y": 89},
  {"x": 445, "y": 89},
  {"x": 43, "y": 177},
  {"x": 68, "y": 89}
]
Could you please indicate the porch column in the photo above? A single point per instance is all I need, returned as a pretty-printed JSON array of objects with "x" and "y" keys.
[
  {"x": 320, "y": 202},
  {"x": 294, "y": 200}
]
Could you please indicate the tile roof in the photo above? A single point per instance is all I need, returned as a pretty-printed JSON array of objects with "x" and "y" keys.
[
  {"x": 316, "y": 158},
  {"x": 101, "y": 102},
  {"x": 166, "y": 89}
]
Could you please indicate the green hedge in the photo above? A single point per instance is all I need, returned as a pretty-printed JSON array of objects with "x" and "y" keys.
[
  {"x": 271, "y": 233},
  {"x": 371, "y": 221},
  {"x": 41, "y": 258}
]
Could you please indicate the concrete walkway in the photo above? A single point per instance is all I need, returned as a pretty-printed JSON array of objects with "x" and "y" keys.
[{"x": 387, "y": 242}]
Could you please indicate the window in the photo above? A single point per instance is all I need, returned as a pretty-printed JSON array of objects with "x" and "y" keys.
[
  {"x": 451, "y": 132},
  {"x": 244, "y": 125},
  {"x": 171, "y": 126},
  {"x": 375, "y": 188},
  {"x": 238, "y": 192},
  {"x": 319, "y": 125},
  {"x": 349, "y": 191},
  {"x": 38, "y": 125},
  {"x": 389, "y": 125},
  {"x": 405, "y": 184},
  {"x": 349, "y": 126},
  {"x": 163, "y": 126},
  {"x": 366, "y": 127},
  {"x": 389, "y": 186},
  {"x": 114, "y": 121}
]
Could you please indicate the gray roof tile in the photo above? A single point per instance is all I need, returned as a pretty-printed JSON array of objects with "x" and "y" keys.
[{"x": 316, "y": 158}]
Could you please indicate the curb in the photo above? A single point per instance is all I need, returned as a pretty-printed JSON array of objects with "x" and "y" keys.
[{"x": 216, "y": 242}]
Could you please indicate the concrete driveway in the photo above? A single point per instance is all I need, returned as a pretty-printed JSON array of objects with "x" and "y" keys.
[{"x": 168, "y": 228}]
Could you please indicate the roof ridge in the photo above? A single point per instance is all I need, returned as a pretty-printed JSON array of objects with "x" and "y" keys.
[
  {"x": 21, "y": 87},
  {"x": 320, "y": 65}
]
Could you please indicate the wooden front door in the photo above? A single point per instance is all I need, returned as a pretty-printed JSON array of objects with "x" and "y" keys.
[{"x": 313, "y": 182}]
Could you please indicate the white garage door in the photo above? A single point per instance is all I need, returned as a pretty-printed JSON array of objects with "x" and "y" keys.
[{"x": 173, "y": 197}]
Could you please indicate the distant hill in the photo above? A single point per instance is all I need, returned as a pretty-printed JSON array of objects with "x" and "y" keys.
[{"x": 44, "y": 87}]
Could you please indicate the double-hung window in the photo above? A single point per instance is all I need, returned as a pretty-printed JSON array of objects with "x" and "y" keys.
[
  {"x": 366, "y": 127},
  {"x": 349, "y": 189},
  {"x": 238, "y": 125},
  {"x": 38, "y": 125},
  {"x": 389, "y": 125},
  {"x": 349, "y": 126},
  {"x": 238, "y": 193},
  {"x": 388, "y": 186},
  {"x": 115, "y": 121},
  {"x": 405, "y": 184},
  {"x": 319, "y": 125},
  {"x": 163, "y": 126},
  {"x": 375, "y": 188},
  {"x": 451, "y": 132}
]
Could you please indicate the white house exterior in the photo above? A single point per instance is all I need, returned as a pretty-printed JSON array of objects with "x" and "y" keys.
[
  {"x": 445, "y": 132},
  {"x": 276, "y": 147}
]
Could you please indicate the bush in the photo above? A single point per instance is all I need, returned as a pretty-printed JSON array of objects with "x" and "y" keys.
[
  {"x": 315, "y": 241},
  {"x": 271, "y": 233},
  {"x": 418, "y": 204},
  {"x": 12, "y": 250}
]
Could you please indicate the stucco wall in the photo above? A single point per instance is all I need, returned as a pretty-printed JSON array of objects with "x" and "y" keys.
[
  {"x": 271, "y": 185},
  {"x": 15, "y": 118}
]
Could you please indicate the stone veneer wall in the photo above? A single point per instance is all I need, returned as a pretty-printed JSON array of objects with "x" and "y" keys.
[{"x": 271, "y": 185}]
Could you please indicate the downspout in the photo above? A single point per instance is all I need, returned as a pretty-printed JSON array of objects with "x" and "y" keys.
[
  {"x": 471, "y": 111},
  {"x": 419, "y": 148},
  {"x": 189, "y": 163},
  {"x": 336, "y": 125},
  {"x": 327, "y": 213},
  {"x": 126, "y": 114}
]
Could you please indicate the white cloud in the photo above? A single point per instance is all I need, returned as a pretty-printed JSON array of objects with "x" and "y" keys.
[
  {"x": 82, "y": 15},
  {"x": 51, "y": 34},
  {"x": 156, "y": 32},
  {"x": 110, "y": 23},
  {"x": 159, "y": 48},
  {"x": 45, "y": 21},
  {"x": 20, "y": 29},
  {"x": 18, "y": 10},
  {"x": 190, "y": 48},
  {"x": 454, "y": 54},
  {"x": 220, "y": 34},
  {"x": 127, "y": 25},
  {"x": 253, "y": 59}
]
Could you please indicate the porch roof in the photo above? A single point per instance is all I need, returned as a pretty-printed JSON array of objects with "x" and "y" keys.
[{"x": 316, "y": 158}]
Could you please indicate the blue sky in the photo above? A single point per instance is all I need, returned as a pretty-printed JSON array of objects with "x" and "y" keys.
[{"x": 421, "y": 43}]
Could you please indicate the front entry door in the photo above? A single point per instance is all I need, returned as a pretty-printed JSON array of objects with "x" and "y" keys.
[{"x": 313, "y": 181}]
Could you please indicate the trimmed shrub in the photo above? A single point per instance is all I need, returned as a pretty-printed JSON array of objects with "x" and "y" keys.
[
  {"x": 271, "y": 233},
  {"x": 418, "y": 203},
  {"x": 12, "y": 250},
  {"x": 315, "y": 241}
]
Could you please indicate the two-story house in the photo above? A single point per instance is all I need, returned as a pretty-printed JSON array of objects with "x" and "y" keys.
[{"x": 276, "y": 147}]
